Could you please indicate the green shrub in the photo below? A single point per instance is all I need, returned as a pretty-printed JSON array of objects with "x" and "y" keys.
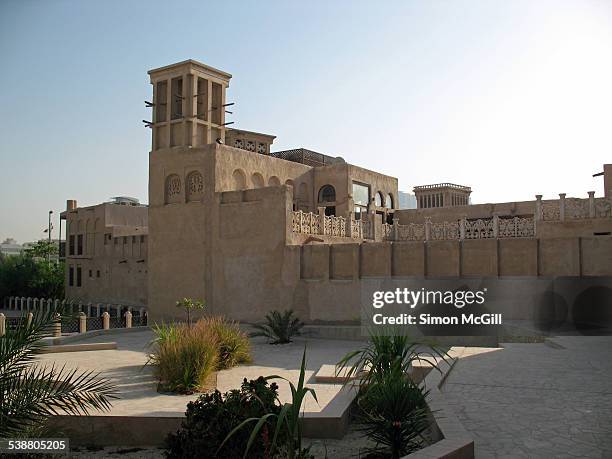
[
  {"x": 185, "y": 358},
  {"x": 234, "y": 344},
  {"x": 213, "y": 416},
  {"x": 287, "y": 434},
  {"x": 279, "y": 327}
]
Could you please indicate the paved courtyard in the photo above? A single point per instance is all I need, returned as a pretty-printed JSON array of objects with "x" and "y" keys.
[{"x": 544, "y": 400}]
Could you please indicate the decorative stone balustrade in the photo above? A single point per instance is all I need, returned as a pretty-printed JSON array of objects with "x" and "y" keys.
[
  {"x": 482, "y": 228},
  {"x": 328, "y": 225},
  {"x": 574, "y": 208}
]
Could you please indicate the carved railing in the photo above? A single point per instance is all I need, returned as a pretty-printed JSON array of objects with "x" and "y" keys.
[
  {"x": 575, "y": 208},
  {"x": 516, "y": 227},
  {"x": 481, "y": 228},
  {"x": 310, "y": 223},
  {"x": 444, "y": 231},
  {"x": 356, "y": 229},
  {"x": 334, "y": 226},
  {"x": 306, "y": 222},
  {"x": 411, "y": 232}
]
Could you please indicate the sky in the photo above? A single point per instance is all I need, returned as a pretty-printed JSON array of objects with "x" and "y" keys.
[{"x": 513, "y": 98}]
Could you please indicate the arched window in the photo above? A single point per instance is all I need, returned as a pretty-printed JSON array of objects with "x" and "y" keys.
[
  {"x": 257, "y": 180},
  {"x": 327, "y": 193},
  {"x": 378, "y": 199},
  {"x": 273, "y": 181},
  {"x": 173, "y": 189},
  {"x": 389, "y": 201},
  {"x": 289, "y": 182},
  {"x": 239, "y": 179},
  {"x": 195, "y": 186}
]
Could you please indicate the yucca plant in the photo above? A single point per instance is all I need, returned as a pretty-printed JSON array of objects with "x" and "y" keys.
[
  {"x": 385, "y": 351},
  {"x": 393, "y": 413},
  {"x": 279, "y": 328},
  {"x": 31, "y": 392},
  {"x": 288, "y": 425}
]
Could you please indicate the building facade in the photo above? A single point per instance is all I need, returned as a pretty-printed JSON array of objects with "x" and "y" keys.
[{"x": 250, "y": 230}]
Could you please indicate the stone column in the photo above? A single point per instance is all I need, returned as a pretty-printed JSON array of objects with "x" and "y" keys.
[
  {"x": 30, "y": 317},
  {"x": 321, "y": 212},
  {"x": 82, "y": 322},
  {"x": 106, "y": 320},
  {"x": 562, "y": 206},
  {"x": 495, "y": 226},
  {"x": 538, "y": 208},
  {"x": 427, "y": 228},
  {"x": 2, "y": 324},
  {"x": 591, "y": 204},
  {"x": 57, "y": 326},
  {"x": 395, "y": 233},
  {"x": 349, "y": 223},
  {"x": 128, "y": 319}
]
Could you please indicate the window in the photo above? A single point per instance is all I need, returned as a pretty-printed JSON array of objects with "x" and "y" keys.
[
  {"x": 161, "y": 102},
  {"x": 90, "y": 273},
  {"x": 71, "y": 245},
  {"x": 361, "y": 198},
  {"x": 71, "y": 276},
  {"x": 389, "y": 201},
  {"x": 124, "y": 240},
  {"x": 80, "y": 244},
  {"x": 107, "y": 238},
  {"x": 177, "y": 98},
  {"x": 142, "y": 238},
  {"x": 133, "y": 239},
  {"x": 378, "y": 199},
  {"x": 327, "y": 193},
  {"x": 98, "y": 273},
  {"x": 78, "y": 276}
]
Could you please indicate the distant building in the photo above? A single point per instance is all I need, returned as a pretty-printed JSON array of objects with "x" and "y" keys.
[
  {"x": 106, "y": 257},
  {"x": 10, "y": 247},
  {"x": 442, "y": 195},
  {"x": 407, "y": 200}
]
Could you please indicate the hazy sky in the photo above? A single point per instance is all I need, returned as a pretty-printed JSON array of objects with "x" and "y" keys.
[{"x": 513, "y": 98}]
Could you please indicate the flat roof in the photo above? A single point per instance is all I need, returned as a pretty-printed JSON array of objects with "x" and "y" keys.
[{"x": 202, "y": 66}]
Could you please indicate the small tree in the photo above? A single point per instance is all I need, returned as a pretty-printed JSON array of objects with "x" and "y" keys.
[
  {"x": 41, "y": 249},
  {"x": 189, "y": 304}
]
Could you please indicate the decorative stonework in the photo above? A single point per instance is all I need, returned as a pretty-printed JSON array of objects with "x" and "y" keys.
[
  {"x": 576, "y": 208},
  {"x": 479, "y": 229},
  {"x": 550, "y": 211},
  {"x": 516, "y": 227},
  {"x": 445, "y": 230},
  {"x": 238, "y": 143},
  {"x": 334, "y": 226},
  {"x": 250, "y": 145},
  {"x": 195, "y": 186},
  {"x": 261, "y": 148},
  {"x": 173, "y": 189},
  {"x": 411, "y": 232},
  {"x": 603, "y": 207}
]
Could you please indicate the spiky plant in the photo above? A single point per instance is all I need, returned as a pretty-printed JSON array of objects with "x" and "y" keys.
[
  {"x": 386, "y": 350},
  {"x": 31, "y": 392},
  {"x": 393, "y": 413},
  {"x": 288, "y": 423},
  {"x": 279, "y": 328}
]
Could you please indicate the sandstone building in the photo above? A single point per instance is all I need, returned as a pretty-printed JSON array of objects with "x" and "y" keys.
[{"x": 249, "y": 230}]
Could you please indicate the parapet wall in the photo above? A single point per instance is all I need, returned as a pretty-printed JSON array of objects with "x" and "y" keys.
[{"x": 590, "y": 256}]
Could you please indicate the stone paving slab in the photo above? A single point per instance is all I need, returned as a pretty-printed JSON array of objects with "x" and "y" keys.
[
  {"x": 139, "y": 397},
  {"x": 537, "y": 400}
]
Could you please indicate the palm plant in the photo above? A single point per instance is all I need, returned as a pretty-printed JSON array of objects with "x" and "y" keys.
[
  {"x": 31, "y": 392},
  {"x": 279, "y": 327},
  {"x": 288, "y": 423}
]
